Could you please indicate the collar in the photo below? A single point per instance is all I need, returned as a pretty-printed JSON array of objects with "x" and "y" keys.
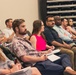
[
  {"x": 23, "y": 39},
  {"x": 57, "y": 26},
  {"x": 19, "y": 38}
]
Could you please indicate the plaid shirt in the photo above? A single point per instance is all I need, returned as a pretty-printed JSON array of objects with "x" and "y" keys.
[{"x": 22, "y": 47}]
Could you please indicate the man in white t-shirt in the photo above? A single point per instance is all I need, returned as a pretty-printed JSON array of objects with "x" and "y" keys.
[{"x": 8, "y": 30}]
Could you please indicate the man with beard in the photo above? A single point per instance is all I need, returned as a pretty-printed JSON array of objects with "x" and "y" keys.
[{"x": 24, "y": 50}]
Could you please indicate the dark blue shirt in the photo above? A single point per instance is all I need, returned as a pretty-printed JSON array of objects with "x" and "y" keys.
[{"x": 51, "y": 35}]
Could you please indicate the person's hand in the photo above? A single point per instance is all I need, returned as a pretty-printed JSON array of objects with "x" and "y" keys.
[
  {"x": 67, "y": 46},
  {"x": 19, "y": 65},
  {"x": 3, "y": 39},
  {"x": 52, "y": 47},
  {"x": 49, "y": 50},
  {"x": 43, "y": 57},
  {"x": 73, "y": 37},
  {"x": 15, "y": 68}
]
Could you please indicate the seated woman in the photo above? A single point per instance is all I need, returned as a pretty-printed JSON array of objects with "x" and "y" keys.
[
  {"x": 38, "y": 39},
  {"x": 8, "y": 67},
  {"x": 70, "y": 28}
]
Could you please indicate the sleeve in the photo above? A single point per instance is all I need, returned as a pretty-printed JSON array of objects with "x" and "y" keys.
[
  {"x": 48, "y": 35},
  {"x": 65, "y": 38},
  {"x": 62, "y": 35},
  {"x": 19, "y": 49}
]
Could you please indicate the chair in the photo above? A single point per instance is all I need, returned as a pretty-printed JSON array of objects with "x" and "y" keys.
[
  {"x": 6, "y": 51},
  {"x": 13, "y": 57}
]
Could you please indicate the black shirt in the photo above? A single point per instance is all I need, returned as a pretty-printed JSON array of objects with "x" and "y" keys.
[{"x": 51, "y": 35}]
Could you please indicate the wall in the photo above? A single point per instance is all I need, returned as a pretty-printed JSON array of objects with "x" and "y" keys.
[{"x": 27, "y": 9}]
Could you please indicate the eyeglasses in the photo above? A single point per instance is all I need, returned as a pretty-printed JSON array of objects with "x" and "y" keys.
[{"x": 51, "y": 20}]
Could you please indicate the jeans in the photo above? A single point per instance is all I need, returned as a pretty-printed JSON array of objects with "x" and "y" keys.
[{"x": 54, "y": 68}]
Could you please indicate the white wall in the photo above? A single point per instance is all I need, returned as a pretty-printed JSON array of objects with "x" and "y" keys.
[{"x": 26, "y": 9}]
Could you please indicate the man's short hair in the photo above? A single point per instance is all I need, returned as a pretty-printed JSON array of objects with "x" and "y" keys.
[
  {"x": 7, "y": 20},
  {"x": 48, "y": 17},
  {"x": 16, "y": 23},
  {"x": 62, "y": 19}
]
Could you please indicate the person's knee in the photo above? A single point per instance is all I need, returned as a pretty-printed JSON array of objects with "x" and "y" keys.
[
  {"x": 67, "y": 51},
  {"x": 70, "y": 52},
  {"x": 74, "y": 49}
]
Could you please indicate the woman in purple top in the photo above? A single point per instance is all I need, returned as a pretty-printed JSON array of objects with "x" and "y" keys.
[{"x": 38, "y": 39}]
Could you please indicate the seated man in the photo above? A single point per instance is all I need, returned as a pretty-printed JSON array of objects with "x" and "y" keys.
[
  {"x": 23, "y": 49},
  {"x": 8, "y": 31},
  {"x": 63, "y": 34},
  {"x": 8, "y": 67}
]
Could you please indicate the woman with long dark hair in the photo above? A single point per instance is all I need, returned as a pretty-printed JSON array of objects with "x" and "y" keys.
[
  {"x": 38, "y": 39},
  {"x": 70, "y": 27}
]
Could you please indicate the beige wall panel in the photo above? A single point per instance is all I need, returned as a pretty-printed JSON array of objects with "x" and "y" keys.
[{"x": 27, "y": 9}]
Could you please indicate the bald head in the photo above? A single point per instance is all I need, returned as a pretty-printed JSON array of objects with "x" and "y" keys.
[
  {"x": 57, "y": 17},
  {"x": 57, "y": 20}
]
